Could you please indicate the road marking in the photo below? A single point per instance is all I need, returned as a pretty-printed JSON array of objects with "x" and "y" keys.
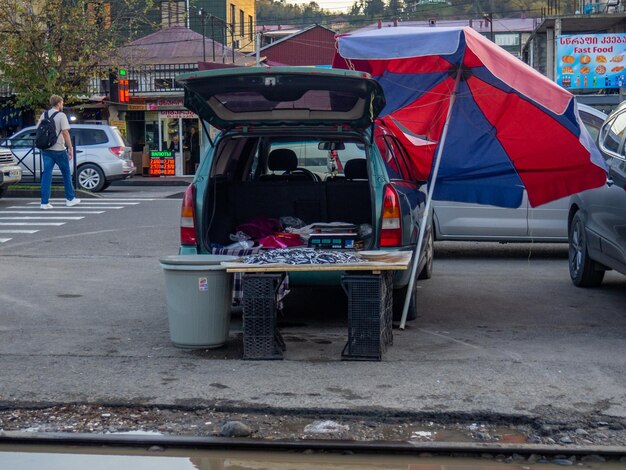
[
  {"x": 19, "y": 231},
  {"x": 89, "y": 203},
  {"x": 2, "y": 240},
  {"x": 42, "y": 217},
  {"x": 32, "y": 223},
  {"x": 69, "y": 208},
  {"x": 50, "y": 211}
]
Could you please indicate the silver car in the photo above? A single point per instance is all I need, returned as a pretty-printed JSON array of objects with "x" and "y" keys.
[
  {"x": 477, "y": 222},
  {"x": 102, "y": 155},
  {"x": 597, "y": 218}
]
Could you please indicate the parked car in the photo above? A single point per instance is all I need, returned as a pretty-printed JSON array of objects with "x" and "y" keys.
[
  {"x": 476, "y": 222},
  {"x": 102, "y": 155},
  {"x": 10, "y": 171},
  {"x": 297, "y": 143},
  {"x": 597, "y": 218}
]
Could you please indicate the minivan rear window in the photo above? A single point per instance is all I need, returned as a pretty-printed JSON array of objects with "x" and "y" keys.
[{"x": 313, "y": 100}]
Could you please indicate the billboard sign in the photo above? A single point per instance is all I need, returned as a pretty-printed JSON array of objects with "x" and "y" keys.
[{"x": 591, "y": 60}]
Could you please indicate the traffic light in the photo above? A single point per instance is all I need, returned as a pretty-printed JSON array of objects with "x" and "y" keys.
[{"x": 119, "y": 91}]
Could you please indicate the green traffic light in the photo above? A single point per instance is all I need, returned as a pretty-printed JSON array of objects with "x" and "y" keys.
[{"x": 122, "y": 72}]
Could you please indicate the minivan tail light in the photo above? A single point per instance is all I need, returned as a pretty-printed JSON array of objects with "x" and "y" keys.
[
  {"x": 187, "y": 217},
  {"x": 117, "y": 151},
  {"x": 391, "y": 227}
]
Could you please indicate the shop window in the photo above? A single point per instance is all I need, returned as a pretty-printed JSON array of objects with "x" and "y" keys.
[{"x": 163, "y": 83}]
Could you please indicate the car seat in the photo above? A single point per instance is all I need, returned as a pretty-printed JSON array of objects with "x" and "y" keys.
[{"x": 286, "y": 160}]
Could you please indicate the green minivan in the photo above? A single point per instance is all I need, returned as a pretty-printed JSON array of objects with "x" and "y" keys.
[{"x": 301, "y": 143}]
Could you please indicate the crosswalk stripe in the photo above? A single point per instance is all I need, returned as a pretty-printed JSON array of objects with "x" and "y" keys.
[
  {"x": 89, "y": 203},
  {"x": 69, "y": 208},
  {"x": 43, "y": 217},
  {"x": 19, "y": 231},
  {"x": 33, "y": 223},
  {"x": 50, "y": 211},
  {"x": 2, "y": 240},
  {"x": 83, "y": 201}
]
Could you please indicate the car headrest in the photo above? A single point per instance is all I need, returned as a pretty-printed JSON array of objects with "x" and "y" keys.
[
  {"x": 355, "y": 169},
  {"x": 282, "y": 160}
]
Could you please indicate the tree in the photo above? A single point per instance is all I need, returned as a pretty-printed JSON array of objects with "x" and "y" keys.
[
  {"x": 395, "y": 8},
  {"x": 374, "y": 8},
  {"x": 56, "y": 46}
]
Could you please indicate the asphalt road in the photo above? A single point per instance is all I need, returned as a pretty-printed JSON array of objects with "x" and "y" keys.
[{"x": 502, "y": 331}]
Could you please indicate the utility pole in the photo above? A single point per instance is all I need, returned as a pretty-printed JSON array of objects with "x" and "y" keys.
[
  {"x": 489, "y": 17},
  {"x": 203, "y": 15}
]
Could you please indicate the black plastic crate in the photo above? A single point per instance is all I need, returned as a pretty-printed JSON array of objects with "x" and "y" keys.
[
  {"x": 261, "y": 338},
  {"x": 370, "y": 315}
]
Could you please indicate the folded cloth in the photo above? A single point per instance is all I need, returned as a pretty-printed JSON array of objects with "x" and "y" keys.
[
  {"x": 281, "y": 240},
  {"x": 259, "y": 227}
]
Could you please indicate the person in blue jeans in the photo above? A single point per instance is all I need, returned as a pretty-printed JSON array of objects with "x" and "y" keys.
[{"x": 59, "y": 154}]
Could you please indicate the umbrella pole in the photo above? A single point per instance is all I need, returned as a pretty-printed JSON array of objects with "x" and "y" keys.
[{"x": 420, "y": 238}]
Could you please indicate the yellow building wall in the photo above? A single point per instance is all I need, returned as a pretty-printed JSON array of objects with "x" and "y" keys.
[{"x": 246, "y": 40}]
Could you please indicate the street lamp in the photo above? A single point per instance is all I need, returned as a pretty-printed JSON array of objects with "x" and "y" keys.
[{"x": 203, "y": 15}]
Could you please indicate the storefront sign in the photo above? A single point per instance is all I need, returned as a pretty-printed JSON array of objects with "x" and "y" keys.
[
  {"x": 178, "y": 114},
  {"x": 162, "y": 163},
  {"x": 152, "y": 106},
  {"x": 170, "y": 103},
  {"x": 137, "y": 107},
  {"x": 591, "y": 60}
]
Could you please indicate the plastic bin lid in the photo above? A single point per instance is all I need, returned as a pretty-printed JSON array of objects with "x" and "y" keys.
[{"x": 196, "y": 260}]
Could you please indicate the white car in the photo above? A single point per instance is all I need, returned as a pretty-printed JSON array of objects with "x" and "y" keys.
[
  {"x": 102, "y": 155},
  {"x": 10, "y": 172},
  {"x": 477, "y": 222}
]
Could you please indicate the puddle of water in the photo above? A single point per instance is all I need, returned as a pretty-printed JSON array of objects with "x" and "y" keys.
[{"x": 100, "y": 458}]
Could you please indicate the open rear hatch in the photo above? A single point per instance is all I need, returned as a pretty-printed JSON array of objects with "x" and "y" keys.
[{"x": 283, "y": 96}]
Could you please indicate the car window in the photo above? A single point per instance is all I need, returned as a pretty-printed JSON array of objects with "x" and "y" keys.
[
  {"x": 614, "y": 134},
  {"x": 387, "y": 149},
  {"x": 89, "y": 136},
  {"x": 322, "y": 162},
  {"x": 117, "y": 136},
  {"x": 593, "y": 125},
  {"x": 24, "y": 140}
]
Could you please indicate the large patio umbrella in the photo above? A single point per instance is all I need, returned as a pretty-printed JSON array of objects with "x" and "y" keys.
[{"x": 480, "y": 124}]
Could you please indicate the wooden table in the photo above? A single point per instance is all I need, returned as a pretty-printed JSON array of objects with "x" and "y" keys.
[{"x": 369, "y": 289}]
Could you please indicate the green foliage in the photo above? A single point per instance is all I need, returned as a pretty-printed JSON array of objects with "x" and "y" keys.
[
  {"x": 279, "y": 11},
  {"x": 54, "y": 47}
]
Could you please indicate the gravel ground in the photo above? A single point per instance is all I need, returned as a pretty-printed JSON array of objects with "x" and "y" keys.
[{"x": 209, "y": 422}]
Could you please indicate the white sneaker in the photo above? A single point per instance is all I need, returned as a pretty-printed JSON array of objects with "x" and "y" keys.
[
  {"x": 73, "y": 202},
  {"x": 45, "y": 207}
]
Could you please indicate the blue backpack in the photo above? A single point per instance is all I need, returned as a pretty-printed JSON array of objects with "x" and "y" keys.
[{"x": 46, "y": 135}]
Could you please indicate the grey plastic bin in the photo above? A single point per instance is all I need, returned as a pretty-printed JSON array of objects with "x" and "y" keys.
[{"x": 198, "y": 293}]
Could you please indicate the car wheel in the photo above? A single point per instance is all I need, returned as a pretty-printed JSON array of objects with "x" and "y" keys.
[
  {"x": 398, "y": 303},
  {"x": 106, "y": 185},
  {"x": 91, "y": 177},
  {"x": 429, "y": 255},
  {"x": 584, "y": 271}
]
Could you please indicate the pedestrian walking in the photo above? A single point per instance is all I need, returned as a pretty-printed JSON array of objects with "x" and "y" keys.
[{"x": 60, "y": 154}]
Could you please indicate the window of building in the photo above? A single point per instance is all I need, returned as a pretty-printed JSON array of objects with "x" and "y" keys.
[
  {"x": 242, "y": 26},
  {"x": 507, "y": 39},
  {"x": 250, "y": 28},
  {"x": 173, "y": 13},
  {"x": 232, "y": 16}
]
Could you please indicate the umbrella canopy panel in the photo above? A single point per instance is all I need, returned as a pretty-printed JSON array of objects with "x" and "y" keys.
[{"x": 510, "y": 128}]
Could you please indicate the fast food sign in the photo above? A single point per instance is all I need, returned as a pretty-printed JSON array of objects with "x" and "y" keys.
[{"x": 591, "y": 61}]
